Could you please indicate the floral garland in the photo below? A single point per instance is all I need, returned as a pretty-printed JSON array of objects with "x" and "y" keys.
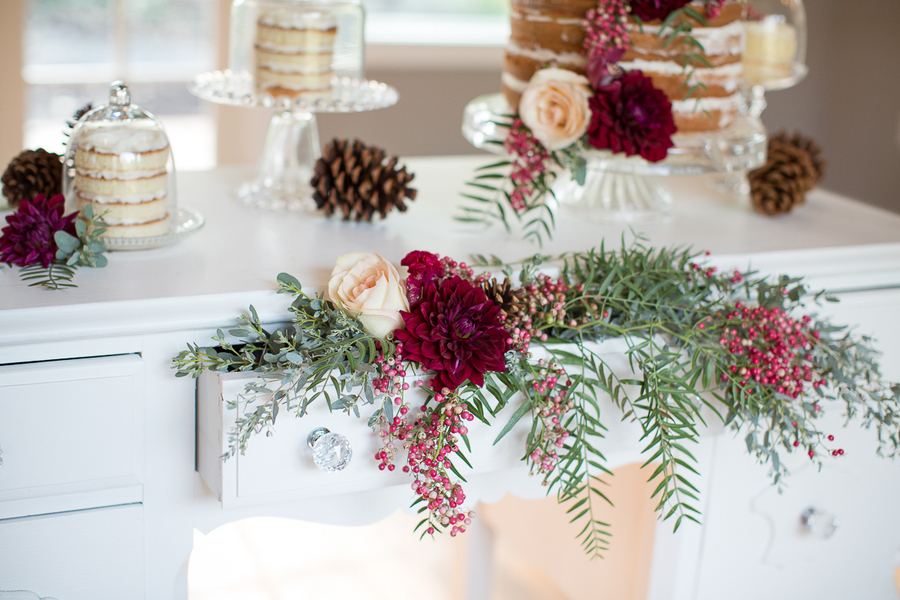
[
  {"x": 562, "y": 114},
  {"x": 696, "y": 338},
  {"x": 49, "y": 246}
]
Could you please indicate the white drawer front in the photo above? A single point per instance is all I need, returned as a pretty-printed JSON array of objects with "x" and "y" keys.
[
  {"x": 70, "y": 430},
  {"x": 85, "y": 555}
]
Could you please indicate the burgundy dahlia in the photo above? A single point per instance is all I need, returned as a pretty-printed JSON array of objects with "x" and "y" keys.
[
  {"x": 652, "y": 10},
  {"x": 630, "y": 115},
  {"x": 454, "y": 331},
  {"x": 28, "y": 237},
  {"x": 422, "y": 267}
]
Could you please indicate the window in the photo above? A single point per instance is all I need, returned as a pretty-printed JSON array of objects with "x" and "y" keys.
[
  {"x": 437, "y": 22},
  {"x": 459, "y": 7},
  {"x": 74, "y": 50}
]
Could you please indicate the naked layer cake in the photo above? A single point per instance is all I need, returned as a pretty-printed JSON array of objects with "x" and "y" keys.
[
  {"x": 121, "y": 172},
  {"x": 551, "y": 31},
  {"x": 294, "y": 52}
]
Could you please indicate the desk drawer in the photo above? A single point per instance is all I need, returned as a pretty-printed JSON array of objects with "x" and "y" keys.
[
  {"x": 85, "y": 555},
  {"x": 280, "y": 468},
  {"x": 71, "y": 434}
]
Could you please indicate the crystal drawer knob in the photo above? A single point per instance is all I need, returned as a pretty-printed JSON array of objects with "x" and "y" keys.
[
  {"x": 331, "y": 451},
  {"x": 819, "y": 523}
]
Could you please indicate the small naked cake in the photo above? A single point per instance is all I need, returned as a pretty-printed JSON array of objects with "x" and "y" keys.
[
  {"x": 294, "y": 51},
  {"x": 121, "y": 172}
]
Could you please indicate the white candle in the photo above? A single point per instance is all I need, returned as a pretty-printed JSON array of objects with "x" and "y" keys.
[{"x": 770, "y": 51}]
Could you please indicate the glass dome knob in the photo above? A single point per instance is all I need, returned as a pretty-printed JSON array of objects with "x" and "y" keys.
[
  {"x": 119, "y": 94},
  {"x": 331, "y": 451}
]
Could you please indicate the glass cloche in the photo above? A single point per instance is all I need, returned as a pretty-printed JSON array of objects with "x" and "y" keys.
[
  {"x": 296, "y": 48},
  {"x": 119, "y": 161}
]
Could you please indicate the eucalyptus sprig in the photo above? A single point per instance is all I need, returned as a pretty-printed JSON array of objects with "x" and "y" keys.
[
  {"x": 84, "y": 249},
  {"x": 322, "y": 353}
]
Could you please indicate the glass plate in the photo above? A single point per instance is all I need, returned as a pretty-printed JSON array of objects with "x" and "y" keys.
[
  {"x": 346, "y": 94},
  {"x": 187, "y": 221}
]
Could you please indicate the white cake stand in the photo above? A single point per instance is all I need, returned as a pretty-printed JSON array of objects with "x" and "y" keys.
[
  {"x": 292, "y": 141},
  {"x": 620, "y": 188}
]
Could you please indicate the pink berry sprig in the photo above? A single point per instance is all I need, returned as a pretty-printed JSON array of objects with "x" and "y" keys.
[
  {"x": 605, "y": 27},
  {"x": 455, "y": 269},
  {"x": 530, "y": 160},
  {"x": 713, "y": 8},
  {"x": 551, "y": 387},
  {"x": 545, "y": 306},
  {"x": 769, "y": 348},
  {"x": 392, "y": 380},
  {"x": 429, "y": 441}
]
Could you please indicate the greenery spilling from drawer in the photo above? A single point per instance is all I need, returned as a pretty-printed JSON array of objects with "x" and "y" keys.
[{"x": 701, "y": 344}]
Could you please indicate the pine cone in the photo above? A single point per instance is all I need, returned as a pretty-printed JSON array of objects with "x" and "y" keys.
[
  {"x": 789, "y": 172},
  {"x": 509, "y": 299},
  {"x": 808, "y": 145},
  {"x": 354, "y": 181},
  {"x": 31, "y": 173}
]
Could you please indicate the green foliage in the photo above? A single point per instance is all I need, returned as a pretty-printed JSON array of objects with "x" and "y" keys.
[
  {"x": 84, "y": 249},
  {"x": 492, "y": 186},
  {"x": 55, "y": 277},
  {"x": 323, "y": 353},
  {"x": 655, "y": 300}
]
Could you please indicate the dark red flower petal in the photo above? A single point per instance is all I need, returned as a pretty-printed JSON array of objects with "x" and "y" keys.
[
  {"x": 655, "y": 10},
  {"x": 454, "y": 331},
  {"x": 631, "y": 115},
  {"x": 28, "y": 237}
]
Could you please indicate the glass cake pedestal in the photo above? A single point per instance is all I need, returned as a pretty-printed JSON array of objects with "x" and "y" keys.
[
  {"x": 292, "y": 141},
  {"x": 621, "y": 188}
]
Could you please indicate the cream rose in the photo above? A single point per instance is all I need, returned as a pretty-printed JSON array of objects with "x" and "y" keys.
[
  {"x": 554, "y": 106},
  {"x": 367, "y": 286}
]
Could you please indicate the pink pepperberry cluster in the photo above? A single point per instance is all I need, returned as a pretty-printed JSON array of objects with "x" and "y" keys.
[
  {"x": 713, "y": 8},
  {"x": 551, "y": 402},
  {"x": 454, "y": 269},
  {"x": 392, "y": 380},
  {"x": 429, "y": 441},
  {"x": 810, "y": 451},
  {"x": 531, "y": 160},
  {"x": 545, "y": 304},
  {"x": 605, "y": 27},
  {"x": 770, "y": 348},
  {"x": 706, "y": 271}
]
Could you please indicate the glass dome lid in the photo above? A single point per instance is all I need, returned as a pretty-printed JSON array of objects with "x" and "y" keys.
[
  {"x": 119, "y": 161},
  {"x": 296, "y": 48}
]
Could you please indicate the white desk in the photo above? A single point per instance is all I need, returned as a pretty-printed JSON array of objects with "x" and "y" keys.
[{"x": 102, "y": 487}]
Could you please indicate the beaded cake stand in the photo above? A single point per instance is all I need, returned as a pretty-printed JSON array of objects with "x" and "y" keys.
[
  {"x": 292, "y": 141},
  {"x": 621, "y": 188}
]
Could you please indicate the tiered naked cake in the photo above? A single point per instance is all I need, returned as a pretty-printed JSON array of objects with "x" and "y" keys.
[
  {"x": 551, "y": 31},
  {"x": 294, "y": 52}
]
